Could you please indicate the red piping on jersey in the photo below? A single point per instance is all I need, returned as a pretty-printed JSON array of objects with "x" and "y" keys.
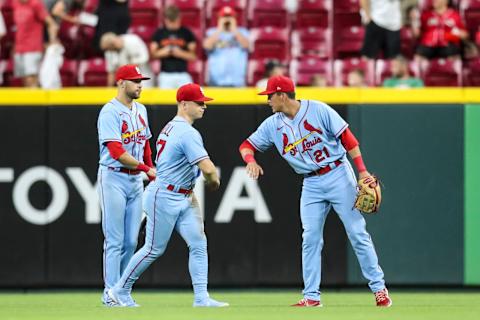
[
  {"x": 115, "y": 149},
  {"x": 349, "y": 141},
  {"x": 293, "y": 134}
]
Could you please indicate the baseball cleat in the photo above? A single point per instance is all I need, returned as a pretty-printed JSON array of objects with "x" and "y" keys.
[
  {"x": 210, "y": 303},
  {"x": 122, "y": 299},
  {"x": 382, "y": 298},
  {"x": 107, "y": 301},
  {"x": 307, "y": 303}
]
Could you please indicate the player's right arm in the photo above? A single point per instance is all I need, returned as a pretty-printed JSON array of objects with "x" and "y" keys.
[
  {"x": 247, "y": 151},
  {"x": 212, "y": 180}
]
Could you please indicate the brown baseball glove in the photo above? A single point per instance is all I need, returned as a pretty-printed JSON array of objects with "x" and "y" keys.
[{"x": 369, "y": 195}]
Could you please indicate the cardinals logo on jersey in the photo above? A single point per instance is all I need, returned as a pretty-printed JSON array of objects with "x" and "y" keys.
[
  {"x": 124, "y": 126},
  {"x": 288, "y": 147},
  {"x": 310, "y": 128}
]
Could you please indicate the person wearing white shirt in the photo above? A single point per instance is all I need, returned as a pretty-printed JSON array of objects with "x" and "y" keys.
[
  {"x": 383, "y": 20},
  {"x": 125, "y": 49}
]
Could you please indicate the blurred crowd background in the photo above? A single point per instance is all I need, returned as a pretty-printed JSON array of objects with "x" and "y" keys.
[{"x": 239, "y": 43}]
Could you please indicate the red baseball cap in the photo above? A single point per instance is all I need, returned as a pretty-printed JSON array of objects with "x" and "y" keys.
[
  {"x": 191, "y": 92},
  {"x": 226, "y": 11},
  {"x": 279, "y": 84},
  {"x": 129, "y": 72}
]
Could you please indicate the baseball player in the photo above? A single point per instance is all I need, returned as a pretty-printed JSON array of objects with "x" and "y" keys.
[
  {"x": 170, "y": 204},
  {"x": 314, "y": 139},
  {"x": 123, "y": 135}
]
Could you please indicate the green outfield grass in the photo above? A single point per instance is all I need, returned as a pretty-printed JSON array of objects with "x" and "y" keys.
[{"x": 265, "y": 305}]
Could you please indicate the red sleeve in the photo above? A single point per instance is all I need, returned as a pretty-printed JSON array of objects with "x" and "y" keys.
[
  {"x": 116, "y": 149},
  {"x": 348, "y": 139},
  {"x": 147, "y": 155},
  {"x": 246, "y": 144}
]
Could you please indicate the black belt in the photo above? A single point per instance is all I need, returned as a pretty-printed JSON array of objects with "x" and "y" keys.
[{"x": 323, "y": 170}]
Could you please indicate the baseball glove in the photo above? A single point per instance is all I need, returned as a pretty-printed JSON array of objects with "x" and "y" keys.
[{"x": 369, "y": 195}]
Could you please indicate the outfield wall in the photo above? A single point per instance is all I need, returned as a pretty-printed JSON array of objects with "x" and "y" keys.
[{"x": 427, "y": 155}]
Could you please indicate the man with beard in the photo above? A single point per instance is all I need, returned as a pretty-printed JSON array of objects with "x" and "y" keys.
[{"x": 123, "y": 135}]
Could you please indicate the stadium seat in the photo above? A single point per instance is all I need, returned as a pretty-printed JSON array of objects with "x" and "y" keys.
[
  {"x": 270, "y": 42},
  {"x": 442, "y": 72},
  {"x": 199, "y": 35},
  {"x": 7, "y": 42},
  {"x": 240, "y": 7},
  {"x": 143, "y": 31},
  {"x": 85, "y": 39},
  {"x": 471, "y": 73},
  {"x": 256, "y": 70},
  {"x": 341, "y": 69},
  {"x": 348, "y": 41},
  {"x": 145, "y": 12},
  {"x": 68, "y": 73},
  {"x": 92, "y": 73},
  {"x": 7, "y": 78},
  {"x": 313, "y": 13},
  {"x": 312, "y": 41},
  {"x": 346, "y": 6},
  {"x": 197, "y": 71},
  {"x": 68, "y": 36},
  {"x": 470, "y": 10},
  {"x": 302, "y": 70},
  {"x": 273, "y": 13},
  {"x": 382, "y": 70},
  {"x": 192, "y": 12}
]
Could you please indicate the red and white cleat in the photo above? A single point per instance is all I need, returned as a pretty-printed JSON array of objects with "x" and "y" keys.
[
  {"x": 382, "y": 298},
  {"x": 307, "y": 303}
]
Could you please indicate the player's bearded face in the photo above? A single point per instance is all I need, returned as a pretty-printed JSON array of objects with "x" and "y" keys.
[{"x": 133, "y": 89}]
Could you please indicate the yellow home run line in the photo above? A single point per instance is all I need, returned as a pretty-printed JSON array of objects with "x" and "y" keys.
[
  {"x": 128, "y": 135},
  {"x": 293, "y": 145}
]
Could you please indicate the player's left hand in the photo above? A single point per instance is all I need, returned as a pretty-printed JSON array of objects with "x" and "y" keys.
[
  {"x": 152, "y": 174},
  {"x": 254, "y": 170},
  {"x": 363, "y": 174}
]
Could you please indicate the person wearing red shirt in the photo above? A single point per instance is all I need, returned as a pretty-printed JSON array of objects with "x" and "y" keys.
[
  {"x": 441, "y": 31},
  {"x": 29, "y": 17}
]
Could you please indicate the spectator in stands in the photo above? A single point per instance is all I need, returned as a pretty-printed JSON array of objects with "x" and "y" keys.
[
  {"x": 319, "y": 80},
  {"x": 174, "y": 45},
  {"x": 60, "y": 9},
  {"x": 441, "y": 31},
  {"x": 29, "y": 17},
  {"x": 272, "y": 68},
  {"x": 356, "y": 78},
  {"x": 227, "y": 47},
  {"x": 125, "y": 49},
  {"x": 383, "y": 20},
  {"x": 401, "y": 77},
  {"x": 113, "y": 16}
]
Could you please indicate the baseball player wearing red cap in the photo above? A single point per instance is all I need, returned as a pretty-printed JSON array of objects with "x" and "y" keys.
[
  {"x": 314, "y": 140},
  {"x": 170, "y": 203},
  {"x": 123, "y": 135}
]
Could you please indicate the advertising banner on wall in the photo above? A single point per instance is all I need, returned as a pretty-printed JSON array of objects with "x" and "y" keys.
[{"x": 50, "y": 221}]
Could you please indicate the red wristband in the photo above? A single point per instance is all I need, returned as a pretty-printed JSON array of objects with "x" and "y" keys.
[
  {"x": 249, "y": 158},
  {"x": 143, "y": 167},
  {"x": 359, "y": 164}
]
